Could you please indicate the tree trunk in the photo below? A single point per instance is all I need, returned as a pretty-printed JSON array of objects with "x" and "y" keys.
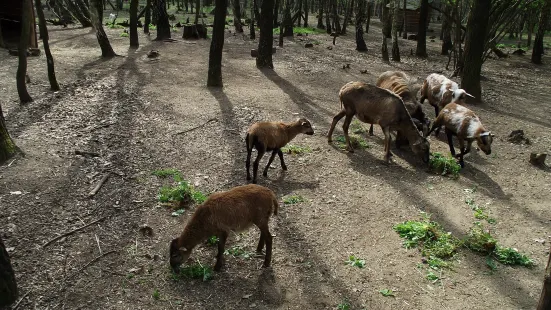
[
  {"x": 217, "y": 44},
  {"x": 306, "y": 9},
  {"x": 545, "y": 297},
  {"x": 369, "y": 11},
  {"x": 83, "y": 7},
  {"x": 75, "y": 11},
  {"x": 134, "y": 24},
  {"x": 163, "y": 26},
  {"x": 7, "y": 150},
  {"x": 1, "y": 38},
  {"x": 276, "y": 13},
  {"x": 237, "y": 16},
  {"x": 251, "y": 24},
  {"x": 537, "y": 52},
  {"x": 148, "y": 16},
  {"x": 320, "y": 15},
  {"x": 44, "y": 34},
  {"x": 287, "y": 21},
  {"x": 328, "y": 26},
  {"x": 96, "y": 13},
  {"x": 8, "y": 284},
  {"x": 386, "y": 19},
  {"x": 395, "y": 8},
  {"x": 26, "y": 21},
  {"x": 458, "y": 50},
  {"x": 360, "y": 42},
  {"x": 197, "y": 8},
  {"x": 299, "y": 11},
  {"x": 384, "y": 48},
  {"x": 474, "y": 51},
  {"x": 422, "y": 32},
  {"x": 446, "y": 32},
  {"x": 404, "y": 29},
  {"x": 347, "y": 16},
  {"x": 266, "y": 40},
  {"x": 336, "y": 19}
]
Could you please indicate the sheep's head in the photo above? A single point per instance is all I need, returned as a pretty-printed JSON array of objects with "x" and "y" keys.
[
  {"x": 305, "y": 126},
  {"x": 484, "y": 142},
  {"x": 422, "y": 148},
  {"x": 459, "y": 95},
  {"x": 178, "y": 255}
]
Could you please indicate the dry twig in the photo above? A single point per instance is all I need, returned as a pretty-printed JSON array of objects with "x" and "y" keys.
[
  {"x": 20, "y": 300},
  {"x": 196, "y": 127},
  {"x": 91, "y": 262},
  {"x": 100, "y": 183},
  {"x": 73, "y": 231}
]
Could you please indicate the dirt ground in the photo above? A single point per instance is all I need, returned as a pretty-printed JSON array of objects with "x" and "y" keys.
[{"x": 128, "y": 109}]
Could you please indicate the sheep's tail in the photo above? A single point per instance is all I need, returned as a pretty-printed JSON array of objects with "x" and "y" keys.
[
  {"x": 275, "y": 205},
  {"x": 249, "y": 142}
]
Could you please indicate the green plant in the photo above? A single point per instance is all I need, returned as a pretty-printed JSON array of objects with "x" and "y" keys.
[
  {"x": 302, "y": 30},
  {"x": 387, "y": 292},
  {"x": 444, "y": 165},
  {"x": 344, "y": 305},
  {"x": 295, "y": 149},
  {"x": 195, "y": 271},
  {"x": 479, "y": 240},
  {"x": 500, "y": 45},
  {"x": 356, "y": 141},
  {"x": 237, "y": 251},
  {"x": 156, "y": 295},
  {"x": 290, "y": 200},
  {"x": 124, "y": 35},
  {"x": 152, "y": 27},
  {"x": 431, "y": 276},
  {"x": 115, "y": 26},
  {"x": 170, "y": 172},
  {"x": 490, "y": 263},
  {"x": 355, "y": 261},
  {"x": 212, "y": 240},
  {"x": 183, "y": 192},
  {"x": 356, "y": 127},
  {"x": 511, "y": 256}
]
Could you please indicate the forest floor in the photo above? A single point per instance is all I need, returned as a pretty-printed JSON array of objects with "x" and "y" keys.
[{"x": 128, "y": 110}]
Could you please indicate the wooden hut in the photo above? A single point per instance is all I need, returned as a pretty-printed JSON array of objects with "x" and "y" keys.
[
  {"x": 10, "y": 23},
  {"x": 412, "y": 15}
]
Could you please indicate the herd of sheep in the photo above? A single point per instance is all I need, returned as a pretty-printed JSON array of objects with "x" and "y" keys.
[{"x": 391, "y": 103}]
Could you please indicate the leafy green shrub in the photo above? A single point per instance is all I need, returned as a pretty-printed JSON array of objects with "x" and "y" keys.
[
  {"x": 356, "y": 142},
  {"x": 290, "y": 200},
  {"x": 295, "y": 149},
  {"x": 444, "y": 165},
  {"x": 355, "y": 261},
  {"x": 195, "y": 271}
]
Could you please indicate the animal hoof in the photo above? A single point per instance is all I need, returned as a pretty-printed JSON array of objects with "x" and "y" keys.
[
  {"x": 329, "y": 141},
  {"x": 462, "y": 164},
  {"x": 284, "y": 168},
  {"x": 266, "y": 265},
  {"x": 265, "y": 174}
]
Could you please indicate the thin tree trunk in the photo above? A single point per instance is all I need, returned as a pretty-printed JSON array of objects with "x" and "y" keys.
[
  {"x": 96, "y": 13},
  {"x": 237, "y": 16},
  {"x": 336, "y": 18},
  {"x": 395, "y": 8},
  {"x": 299, "y": 11},
  {"x": 287, "y": 21},
  {"x": 1, "y": 38},
  {"x": 276, "y": 13},
  {"x": 404, "y": 27},
  {"x": 384, "y": 47},
  {"x": 537, "y": 52},
  {"x": 328, "y": 26},
  {"x": 446, "y": 32},
  {"x": 75, "y": 11},
  {"x": 422, "y": 32},
  {"x": 8, "y": 284},
  {"x": 251, "y": 25},
  {"x": 369, "y": 11},
  {"x": 545, "y": 297},
  {"x": 320, "y": 15},
  {"x": 217, "y": 44},
  {"x": 386, "y": 19},
  {"x": 347, "y": 16},
  {"x": 163, "y": 26},
  {"x": 360, "y": 42},
  {"x": 148, "y": 16},
  {"x": 306, "y": 9},
  {"x": 266, "y": 40},
  {"x": 197, "y": 8},
  {"x": 134, "y": 24},
  {"x": 7, "y": 149},
  {"x": 44, "y": 34},
  {"x": 474, "y": 51},
  {"x": 83, "y": 7},
  {"x": 26, "y": 21}
]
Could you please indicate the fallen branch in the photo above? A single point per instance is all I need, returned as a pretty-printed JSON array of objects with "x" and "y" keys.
[
  {"x": 84, "y": 153},
  {"x": 91, "y": 262},
  {"x": 73, "y": 231},
  {"x": 20, "y": 300},
  {"x": 99, "y": 185},
  {"x": 196, "y": 127}
]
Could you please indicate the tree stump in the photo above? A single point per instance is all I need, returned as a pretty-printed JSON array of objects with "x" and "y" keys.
[
  {"x": 412, "y": 37},
  {"x": 8, "y": 286},
  {"x": 198, "y": 31}
]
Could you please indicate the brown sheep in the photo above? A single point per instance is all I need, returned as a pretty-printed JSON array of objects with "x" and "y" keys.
[
  {"x": 461, "y": 122},
  {"x": 272, "y": 136},
  {"x": 440, "y": 91},
  {"x": 234, "y": 210},
  {"x": 374, "y": 105}
]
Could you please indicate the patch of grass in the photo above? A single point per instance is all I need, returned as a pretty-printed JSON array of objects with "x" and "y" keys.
[
  {"x": 431, "y": 276},
  {"x": 500, "y": 45},
  {"x": 152, "y": 27},
  {"x": 295, "y": 149},
  {"x": 444, "y": 165},
  {"x": 344, "y": 305},
  {"x": 511, "y": 256},
  {"x": 355, "y": 261},
  {"x": 212, "y": 240},
  {"x": 124, "y": 35},
  {"x": 156, "y": 295},
  {"x": 115, "y": 26},
  {"x": 491, "y": 263},
  {"x": 195, "y": 271},
  {"x": 237, "y": 251},
  {"x": 293, "y": 199},
  {"x": 303, "y": 30},
  {"x": 356, "y": 141},
  {"x": 163, "y": 173},
  {"x": 479, "y": 212},
  {"x": 387, "y": 292},
  {"x": 357, "y": 128},
  {"x": 182, "y": 192}
]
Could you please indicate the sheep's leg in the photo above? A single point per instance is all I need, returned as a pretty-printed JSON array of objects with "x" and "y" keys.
[
  {"x": 386, "y": 131},
  {"x": 265, "y": 173},
  {"x": 220, "y": 256},
  {"x": 450, "y": 141},
  {"x": 436, "y": 111},
  {"x": 265, "y": 231},
  {"x": 261, "y": 242},
  {"x": 248, "y": 163},
  {"x": 371, "y": 130},
  {"x": 462, "y": 148},
  {"x": 336, "y": 119},
  {"x": 345, "y": 126},
  {"x": 261, "y": 152},
  {"x": 283, "y": 166}
]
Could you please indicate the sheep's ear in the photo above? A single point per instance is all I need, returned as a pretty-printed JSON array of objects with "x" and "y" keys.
[{"x": 183, "y": 249}]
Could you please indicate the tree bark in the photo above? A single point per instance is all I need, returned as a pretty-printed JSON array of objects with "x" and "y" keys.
[
  {"x": 26, "y": 21},
  {"x": 197, "y": 8},
  {"x": 328, "y": 26},
  {"x": 360, "y": 42},
  {"x": 384, "y": 47},
  {"x": 287, "y": 21},
  {"x": 44, "y": 34},
  {"x": 404, "y": 29},
  {"x": 320, "y": 15},
  {"x": 545, "y": 297},
  {"x": 537, "y": 52},
  {"x": 1, "y": 38},
  {"x": 266, "y": 40},
  {"x": 134, "y": 24},
  {"x": 276, "y": 13},
  {"x": 251, "y": 24},
  {"x": 148, "y": 16},
  {"x": 163, "y": 26},
  {"x": 369, "y": 12},
  {"x": 299, "y": 11},
  {"x": 336, "y": 18},
  {"x": 237, "y": 16},
  {"x": 7, "y": 150},
  {"x": 8, "y": 284},
  {"x": 217, "y": 44},
  {"x": 446, "y": 32},
  {"x": 386, "y": 19},
  {"x": 306, "y": 9},
  {"x": 395, "y": 8},
  {"x": 83, "y": 7},
  {"x": 474, "y": 51},
  {"x": 422, "y": 32},
  {"x": 96, "y": 14},
  {"x": 75, "y": 11},
  {"x": 347, "y": 16}
]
